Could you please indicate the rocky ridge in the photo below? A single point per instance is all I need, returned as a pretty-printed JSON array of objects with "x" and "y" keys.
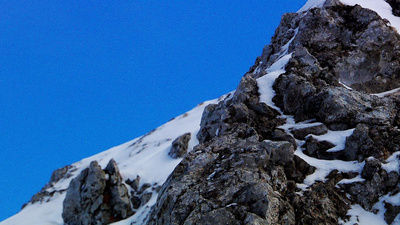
[{"x": 249, "y": 169}]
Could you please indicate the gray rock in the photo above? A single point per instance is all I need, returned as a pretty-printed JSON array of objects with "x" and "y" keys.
[
  {"x": 92, "y": 198},
  {"x": 318, "y": 149},
  {"x": 180, "y": 146},
  {"x": 301, "y": 133},
  {"x": 357, "y": 143},
  {"x": 371, "y": 167},
  {"x": 280, "y": 152}
]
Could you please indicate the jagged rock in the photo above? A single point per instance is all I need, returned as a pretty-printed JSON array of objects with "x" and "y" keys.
[
  {"x": 298, "y": 169},
  {"x": 357, "y": 143},
  {"x": 301, "y": 133},
  {"x": 281, "y": 135},
  {"x": 318, "y": 149},
  {"x": 391, "y": 212},
  {"x": 179, "y": 146},
  {"x": 280, "y": 152},
  {"x": 97, "y": 196},
  {"x": 243, "y": 151},
  {"x": 242, "y": 108}
]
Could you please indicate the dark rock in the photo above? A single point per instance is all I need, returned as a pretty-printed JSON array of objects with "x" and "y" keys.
[
  {"x": 318, "y": 149},
  {"x": 92, "y": 198},
  {"x": 371, "y": 167},
  {"x": 357, "y": 143},
  {"x": 391, "y": 212},
  {"x": 301, "y": 133},
  {"x": 180, "y": 146},
  {"x": 134, "y": 184},
  {"x": 395, "y": 4},
  {"x": 298, "y": 169},
  {"x": 279, "y": 152},
  {"x": 280, "y": 135},
  {"x": 393, "y": 179}
]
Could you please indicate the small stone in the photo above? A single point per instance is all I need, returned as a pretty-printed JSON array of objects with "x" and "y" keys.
[{"x": 371, "y": 167}]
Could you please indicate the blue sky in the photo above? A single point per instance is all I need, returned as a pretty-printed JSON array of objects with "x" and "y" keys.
[{"x": 79, "y": 77}]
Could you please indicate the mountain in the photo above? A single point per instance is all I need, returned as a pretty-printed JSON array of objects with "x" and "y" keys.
[{"x": 310, "y": 136}]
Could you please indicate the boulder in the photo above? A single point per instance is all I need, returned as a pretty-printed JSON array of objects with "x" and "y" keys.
[
  {"x": 97, "y": 196},
  {"x": 180, "y": 146}
]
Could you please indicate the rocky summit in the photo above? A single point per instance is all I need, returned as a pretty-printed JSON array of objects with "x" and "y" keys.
[{"x": 310, "y": 136}]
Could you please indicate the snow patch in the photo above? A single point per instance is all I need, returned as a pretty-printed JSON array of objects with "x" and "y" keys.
[
  {"x": 337, "y": 138},
  {"x": 392, "y": 163}
]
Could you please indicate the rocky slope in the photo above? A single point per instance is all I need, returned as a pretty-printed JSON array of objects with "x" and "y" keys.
[{"x": 310, "y": 136}]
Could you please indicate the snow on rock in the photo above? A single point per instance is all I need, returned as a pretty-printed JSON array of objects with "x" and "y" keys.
[
  {"x": 146, "y": 156},
  {"x": 337, "y": 138},
  {"x": 392, "y": 163},
  {"x": 381, "y": 7},
  {"x": 358, "y": 215}
]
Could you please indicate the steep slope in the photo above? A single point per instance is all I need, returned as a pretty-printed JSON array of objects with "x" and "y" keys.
[{"x": 310, "y": 136}]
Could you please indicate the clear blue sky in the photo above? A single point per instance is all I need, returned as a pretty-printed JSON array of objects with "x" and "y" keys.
[{"x": 79, "y": 77}]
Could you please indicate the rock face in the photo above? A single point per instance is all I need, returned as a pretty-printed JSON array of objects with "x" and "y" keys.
[
  {"x": 244, "y": 171},
  {"x": 97, "y": 196}
]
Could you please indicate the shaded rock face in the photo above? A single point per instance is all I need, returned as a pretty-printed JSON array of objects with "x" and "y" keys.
[
  {"x": 97, "y": 196},
  {"x": 395, "y": 4},
  {"x": 180, "y": 146},
  {"x": 244, "y": 171}
]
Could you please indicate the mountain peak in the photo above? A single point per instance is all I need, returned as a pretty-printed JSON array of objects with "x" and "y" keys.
[{"x": 310, "y": 136}]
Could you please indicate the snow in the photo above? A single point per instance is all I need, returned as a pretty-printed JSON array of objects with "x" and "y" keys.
[
  {"x": 266, "y": 81},
  {"x": 146, "y": 156},
  {"x": 392, "y": 163},
  {"x": 337, "y": 138},
  {"x": 383, "y": 94},
  {"x": 358, "y": 215},
  {"x": 312, "y": 4},
  {"x": 353, "y": 180},
  {"x": 345, "y": 86},
  {"x": 324, "y": 167}
]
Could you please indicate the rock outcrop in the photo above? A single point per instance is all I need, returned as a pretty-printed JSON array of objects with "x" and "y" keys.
[
  {"x": 97, "y": 196},
  {"x": 244, "y": 171},
  {"x": 180, "y": 146}
]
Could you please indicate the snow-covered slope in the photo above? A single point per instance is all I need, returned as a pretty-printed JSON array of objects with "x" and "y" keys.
[{"x": 146, "y": 156}]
